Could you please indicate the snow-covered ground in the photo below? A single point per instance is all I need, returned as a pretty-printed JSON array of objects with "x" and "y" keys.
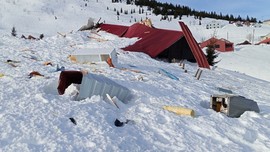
[{"x": 33, "y": 117}]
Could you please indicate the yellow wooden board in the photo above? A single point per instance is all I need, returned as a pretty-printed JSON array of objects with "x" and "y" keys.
[{"x": 180, "y": 110}]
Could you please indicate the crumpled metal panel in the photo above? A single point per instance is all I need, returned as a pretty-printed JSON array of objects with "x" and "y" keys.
[{"x": 93, "y": 84}]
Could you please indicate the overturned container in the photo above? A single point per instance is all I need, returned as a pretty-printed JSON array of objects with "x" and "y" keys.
[
  {"x": 94, "y": 55},
  {"x": 93, "y": 84},
  {"x": 232, "y": 105}
]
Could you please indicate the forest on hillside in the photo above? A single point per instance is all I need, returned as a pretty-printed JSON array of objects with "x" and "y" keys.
[{"x": 177, "y": 11}]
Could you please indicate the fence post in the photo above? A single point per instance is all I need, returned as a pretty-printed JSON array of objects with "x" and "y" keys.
[
  {"x": 198, "y": 74},
  {"x": 182, "y": 64}
]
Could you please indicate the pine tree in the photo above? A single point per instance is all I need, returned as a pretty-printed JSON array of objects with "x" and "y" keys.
[
  {"x": 211, "y": 54},
  {"x": 13, "y": 31}
]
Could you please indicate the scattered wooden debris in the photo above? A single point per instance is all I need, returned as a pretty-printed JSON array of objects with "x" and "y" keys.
[
  {"x": 136, "y": 71},
  {"x": 73, "y": 121},
  {"x": 32, "y": 57},
  {"x": 198, "y": 74},
  {"x": 12, "y": 63},
  {"x": 47, "y": 63},
  {"x": 30, "y": 37},
  {"x": 97, "y": 39},
  {"x": 63, "y": 35},
  {"x": 34, "y": 74},
  {"x": 72, "y": 58},
  {"x": 95, "y": 32},
  {"x": 182, "y": 64},
  {"x": 109, "y": 62}
]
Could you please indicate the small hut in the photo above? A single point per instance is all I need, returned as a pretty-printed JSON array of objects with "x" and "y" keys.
[{"x": 221, "y": 45}]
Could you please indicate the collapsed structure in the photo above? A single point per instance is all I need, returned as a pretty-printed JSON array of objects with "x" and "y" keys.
[
  {"x": 92, "y": 84},
  {"x": 160, "y": 43},
  {"x": 232, "y": 105}
]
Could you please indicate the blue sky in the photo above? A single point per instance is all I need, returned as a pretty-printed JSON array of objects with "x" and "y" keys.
[{"x": 252, "y": 8}]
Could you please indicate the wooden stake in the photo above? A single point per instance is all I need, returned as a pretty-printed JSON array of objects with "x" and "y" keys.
[
  {"x": 182, "y": 64},
  {"x": 64, "y": 35},
  {"x": 199, "y": 74},
  {"x": 98, "y": 39},
  {"x": 196, "y": 73}
]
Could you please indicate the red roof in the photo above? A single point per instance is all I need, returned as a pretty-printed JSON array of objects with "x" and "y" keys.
[
  {"x": 266, "y": 41},
  {"x": 153, "y": 41},
  {"x": 195, "y": 48},
  {"x": 118, "y": 30},
  {"x": 221, "y": 45}
]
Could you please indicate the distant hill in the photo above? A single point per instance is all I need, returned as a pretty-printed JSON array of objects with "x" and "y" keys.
[{"x": 177, "y": 11}]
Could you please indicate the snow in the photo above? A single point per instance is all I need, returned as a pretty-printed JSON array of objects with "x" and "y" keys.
[{"x": 33, "y": 117}]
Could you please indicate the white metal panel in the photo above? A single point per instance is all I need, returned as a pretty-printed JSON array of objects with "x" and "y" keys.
[
  {"x": 94, "y": 55},
  {"x": 93, "y": 84},
  {"x": 235, "y": 105}
]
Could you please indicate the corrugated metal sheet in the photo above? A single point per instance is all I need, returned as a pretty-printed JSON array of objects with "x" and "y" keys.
[
  {"x": 153, "y": 41},
  {"x": 118, "y": 30},
  {"x": 93, "y": 84},
  {"x": 196, "y": 50}
]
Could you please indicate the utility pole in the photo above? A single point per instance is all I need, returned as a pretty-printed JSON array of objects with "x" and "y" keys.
[{"x": 253, "y": 36}]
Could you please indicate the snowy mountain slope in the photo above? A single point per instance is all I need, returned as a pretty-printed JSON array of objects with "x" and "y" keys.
[
  {"x": 254, "y": 57},
  {"x": 33, "y": 117},
  {"x": 60, "y": 16},
  {"x": 50, "y": 17}
]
